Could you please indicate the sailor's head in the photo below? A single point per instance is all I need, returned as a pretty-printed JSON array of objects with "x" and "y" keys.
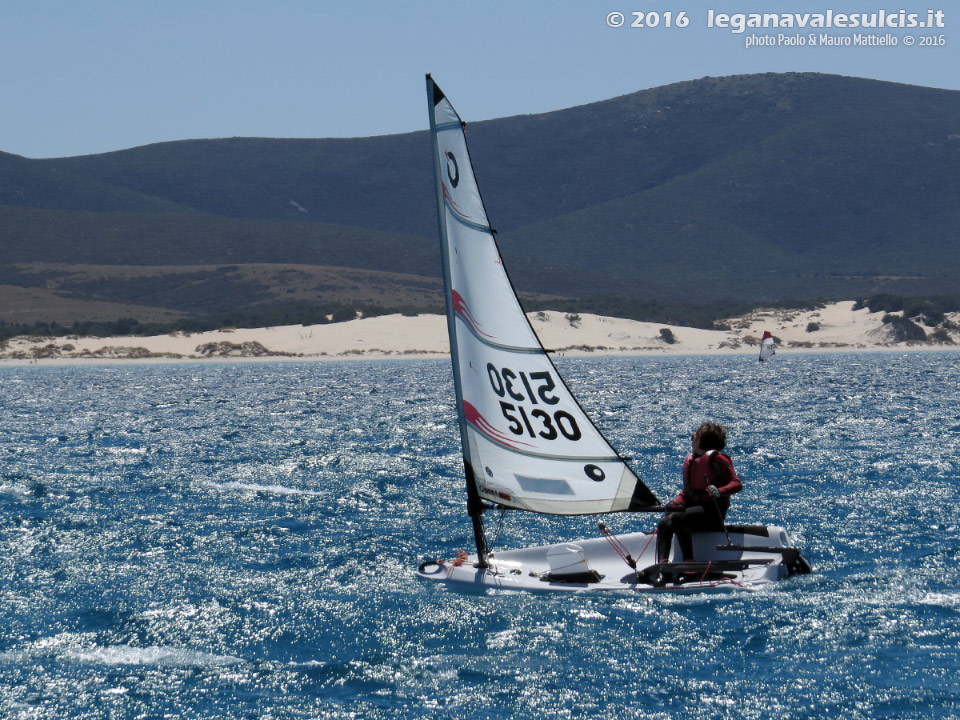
[{"x": 710, "y": 436}]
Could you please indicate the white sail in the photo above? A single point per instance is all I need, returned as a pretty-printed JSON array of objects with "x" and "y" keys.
[
  {"x": 527, "y": 442},
  {"x": 767, "y": 346}
]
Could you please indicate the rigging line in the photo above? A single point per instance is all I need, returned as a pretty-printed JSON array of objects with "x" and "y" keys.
[
  {"x": 649, "y": 540},
  {"x": 723, "y": 524},
  {"x": 500, "y": 524},
  {"x": 618, "y": 546}
]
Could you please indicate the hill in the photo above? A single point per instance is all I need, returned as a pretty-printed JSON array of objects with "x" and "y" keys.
[{"x": 750, "y": 189}]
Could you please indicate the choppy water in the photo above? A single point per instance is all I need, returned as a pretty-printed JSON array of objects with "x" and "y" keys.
[{"x": 239, "y": 541}]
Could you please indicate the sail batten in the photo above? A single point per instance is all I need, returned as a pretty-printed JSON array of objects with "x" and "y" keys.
[
  {"x": 527, "y": 442},
  {"x": 486, "y": 340},
  {"x": 469, "y": 223}
]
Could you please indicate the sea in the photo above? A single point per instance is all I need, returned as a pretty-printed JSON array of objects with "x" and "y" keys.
[{"x": 241, "y": 541}]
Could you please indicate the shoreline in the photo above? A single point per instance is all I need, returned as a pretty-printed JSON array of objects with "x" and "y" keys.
[
  {"x": 835, "y": 327},
  {"x": 387, "y": 357}
]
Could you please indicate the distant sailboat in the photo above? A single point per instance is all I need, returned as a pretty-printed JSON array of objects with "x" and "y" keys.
[
  {"x": 768, "y": 347},
  {"x": 528, "y": 445}
]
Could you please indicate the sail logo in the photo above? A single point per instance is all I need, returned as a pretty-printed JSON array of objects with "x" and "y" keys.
[
  {"x": 455, "y": 175},
  {"x": 594, "y": 472}
]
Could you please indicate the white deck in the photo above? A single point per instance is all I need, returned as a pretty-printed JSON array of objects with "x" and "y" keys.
[{"x": 527, "y": 569}]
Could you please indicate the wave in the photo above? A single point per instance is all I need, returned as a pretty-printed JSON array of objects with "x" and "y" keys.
[
  {"x": 72, "y": 648},
  {"x": 254, "y": 487},
  {"x": 152, "y": 655},
  {"x": 14, "y": 491}
]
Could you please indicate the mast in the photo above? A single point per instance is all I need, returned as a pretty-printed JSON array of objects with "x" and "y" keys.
[{"x": 475, "y": 505}]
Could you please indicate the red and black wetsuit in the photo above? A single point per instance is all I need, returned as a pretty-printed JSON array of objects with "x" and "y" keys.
[{"x": 697, "y": 510}]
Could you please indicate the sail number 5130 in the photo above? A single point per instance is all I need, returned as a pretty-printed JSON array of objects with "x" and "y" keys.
[{"x": 536, "y": 388}]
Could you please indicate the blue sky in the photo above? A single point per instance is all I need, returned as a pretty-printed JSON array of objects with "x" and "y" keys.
[{"x": 90, "y": 76}]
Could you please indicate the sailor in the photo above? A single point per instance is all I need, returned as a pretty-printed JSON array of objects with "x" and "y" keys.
[{"x": 708, "y": 482}]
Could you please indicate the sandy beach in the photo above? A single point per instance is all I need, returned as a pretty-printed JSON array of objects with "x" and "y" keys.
[{"x": 834, "y": 327}]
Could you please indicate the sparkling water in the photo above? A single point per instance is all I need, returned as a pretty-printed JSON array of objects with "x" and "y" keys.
[{"x": 240, "y": 541}]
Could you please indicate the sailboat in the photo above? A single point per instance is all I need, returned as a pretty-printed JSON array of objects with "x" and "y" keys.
[
  {"x": 529, "y": 445},
  {"x": 768, "y": 346}
]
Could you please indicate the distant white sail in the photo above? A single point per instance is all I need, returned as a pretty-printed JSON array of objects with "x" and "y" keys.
[
  {"x": 768, "y": 346},
  {"x": 527, "y": 443}
]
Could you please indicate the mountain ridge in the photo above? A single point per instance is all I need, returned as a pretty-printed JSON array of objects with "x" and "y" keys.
[{"x": 752, "y": 189}]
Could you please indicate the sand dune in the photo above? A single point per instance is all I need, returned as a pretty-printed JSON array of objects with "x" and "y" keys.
[{"x": 834, "y": 327}]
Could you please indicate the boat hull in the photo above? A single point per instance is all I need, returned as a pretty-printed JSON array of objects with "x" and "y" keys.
[{"x": 744, "y": 558}]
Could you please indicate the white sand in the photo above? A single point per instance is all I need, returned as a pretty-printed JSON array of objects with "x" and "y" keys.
[{"x": 840, "y": 329}]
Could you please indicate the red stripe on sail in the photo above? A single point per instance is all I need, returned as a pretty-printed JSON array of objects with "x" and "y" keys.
[
  {"x": 478, "y": 421},
  {"x": 766, "y": 334},
  {"x": 461, "y": 308},
  {"x": 453, "y": 205}
]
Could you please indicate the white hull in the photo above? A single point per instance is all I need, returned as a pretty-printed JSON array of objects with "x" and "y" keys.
[{"x": 530, "y": 568}]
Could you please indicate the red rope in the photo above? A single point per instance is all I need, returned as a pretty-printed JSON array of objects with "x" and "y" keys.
[
  {"x": 620, "y": 548},
  {"x": 617, "y": 546},
  {"x": 652, "y": 536}
]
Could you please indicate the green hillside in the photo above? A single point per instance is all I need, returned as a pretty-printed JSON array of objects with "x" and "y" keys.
[{"x": 750, "y": 189}]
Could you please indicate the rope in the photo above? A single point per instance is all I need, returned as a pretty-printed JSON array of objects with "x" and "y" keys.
[
  {"x": 652, "y": 536},
  {"x": 618, "y": 547},
  {"x": 716, "y": 506},
  {"x": 500, "y": 524},
  {"x": 459, "y": 560},
  {"x": 462, "y": 556}
]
